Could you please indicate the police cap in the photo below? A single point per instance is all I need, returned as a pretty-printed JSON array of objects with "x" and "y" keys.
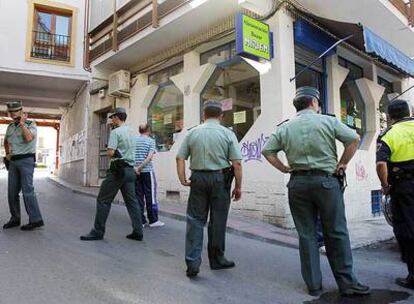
[
  {"x": 118, "y": 110},
  {"x": 213, "y": 104},
  {"x": 307, "y": 91},
  {"x": 14, "y": 106}
]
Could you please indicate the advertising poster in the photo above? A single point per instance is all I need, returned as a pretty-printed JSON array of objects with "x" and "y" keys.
[{"x": 239, "y": 117}]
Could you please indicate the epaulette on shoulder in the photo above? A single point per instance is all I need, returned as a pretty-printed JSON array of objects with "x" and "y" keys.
[
  {"x": 329, "y": 114},
  {"x": 189, "y": 129},
  {"x": 279, "y": 124}
]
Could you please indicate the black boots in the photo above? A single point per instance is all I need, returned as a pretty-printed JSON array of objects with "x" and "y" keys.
[{"x": 220, "y": 262}]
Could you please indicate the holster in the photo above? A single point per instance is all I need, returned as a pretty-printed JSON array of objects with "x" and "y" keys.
[
  {"x": 6, "y": 163},
  {"x": 341, "y": 177},
  {"x": 117, "y": 168},
  {"x": 228, "y": 176}
]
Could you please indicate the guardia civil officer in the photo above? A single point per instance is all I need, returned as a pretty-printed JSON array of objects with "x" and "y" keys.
[
  {"x": 308, "y": 141},
  {"x": 214, "y": 153},
  {"x": 121, "y": 176},
  {"x": 395, "y": 169},
  {"x": 20, "y": 146}
]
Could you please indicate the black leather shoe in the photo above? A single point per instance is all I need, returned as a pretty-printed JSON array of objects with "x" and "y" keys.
[
  {"x": 32, "y": 226},
  {"x": 315, "y": 292},
  {"x": 135, "y": 236},
  {"x": 91, "y": 237},
  {"x": 192, "y": 272},
  {"x": 220, "y": 262},
  {"x": 356, "y": 290},
  {"x": 11, "y": 224},
  {"x": 405, "y": 282}
]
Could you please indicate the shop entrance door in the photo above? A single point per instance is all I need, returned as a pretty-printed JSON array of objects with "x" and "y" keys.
[{"x": 104, "y": 129}]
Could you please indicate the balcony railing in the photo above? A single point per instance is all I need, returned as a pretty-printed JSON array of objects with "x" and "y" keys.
[
  {"x": 406, "y": 7},
  {"x": 125, "y": 23},
  {"x": 50, "y": 46}
]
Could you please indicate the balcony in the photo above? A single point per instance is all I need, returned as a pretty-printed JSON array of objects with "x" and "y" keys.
[
  {"x": 130, "y": 19},
  {"x": 406, "y": 7},
  {"x": 50, "y": 46}
]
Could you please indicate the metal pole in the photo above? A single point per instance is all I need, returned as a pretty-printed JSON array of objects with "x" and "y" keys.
[
  {"x": 115, "y": 29},
  {"x": 155, "y": 16},
  {"x": 321, "y": 55},
  {"x": 402, "y": 93}
]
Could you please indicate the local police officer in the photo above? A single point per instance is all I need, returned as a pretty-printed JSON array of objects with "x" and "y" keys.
[
  {"x": 214, "y": 153},
  {"x": 395, "y": 169},
  {"x": 121, "y": 176},
  {"x": 308, "y": 141},
  {"x": 20, "y": 146}
]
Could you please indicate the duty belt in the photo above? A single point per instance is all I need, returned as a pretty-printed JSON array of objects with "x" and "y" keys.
[
  {"x": 225, "y": 170},
  {"x": 310, "y": 173},
  {"x": 23, "y": 156}
]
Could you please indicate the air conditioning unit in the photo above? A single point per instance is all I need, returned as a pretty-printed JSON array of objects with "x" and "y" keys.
[{"x": 119, "y": 83}]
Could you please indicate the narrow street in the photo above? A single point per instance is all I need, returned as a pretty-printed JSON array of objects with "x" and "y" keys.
[{"x": 51, "y": 265}]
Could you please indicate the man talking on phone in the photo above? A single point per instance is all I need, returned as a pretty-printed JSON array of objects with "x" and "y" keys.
[{"x": 20, "y": 146}]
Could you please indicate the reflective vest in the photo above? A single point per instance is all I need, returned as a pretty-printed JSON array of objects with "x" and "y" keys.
[{"x": 400, "y": 139}]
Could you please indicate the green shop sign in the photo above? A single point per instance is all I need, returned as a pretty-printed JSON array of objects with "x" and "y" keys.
[{"x": 253, "y": 38}]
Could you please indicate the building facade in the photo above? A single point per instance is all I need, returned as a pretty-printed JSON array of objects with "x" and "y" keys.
[
  {"x": 168, "y": 57},
  {"x": 42, "y": 61}
]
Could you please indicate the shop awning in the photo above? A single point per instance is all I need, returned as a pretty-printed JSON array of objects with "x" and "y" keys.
[{"x": 366, "y": 40}]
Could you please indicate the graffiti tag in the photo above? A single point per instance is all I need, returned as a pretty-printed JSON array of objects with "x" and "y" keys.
[
  {"x": 253, "y": 150},
  {"x": 360, "y": 171}
]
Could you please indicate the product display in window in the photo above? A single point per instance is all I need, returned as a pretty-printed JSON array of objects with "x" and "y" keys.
[
  {"x": 165, "y": 116},
  {"x": 237, "y": 86},
  {"x": 352, "y": 107}
]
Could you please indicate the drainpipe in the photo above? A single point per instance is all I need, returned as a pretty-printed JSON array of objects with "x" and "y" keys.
[
  {"x": 86, "y": 65},
  {"x": 85, "y": 160}
]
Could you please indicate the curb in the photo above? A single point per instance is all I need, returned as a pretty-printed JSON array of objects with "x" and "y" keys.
[{"x": 182, "y": 218}]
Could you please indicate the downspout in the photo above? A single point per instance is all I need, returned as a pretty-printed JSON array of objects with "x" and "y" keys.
[
  {"x": 85, "y": 160},
  {"x": 86, "y": 65}
]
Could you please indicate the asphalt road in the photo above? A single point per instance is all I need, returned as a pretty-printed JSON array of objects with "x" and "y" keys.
[{"x": 51, "y": 265}]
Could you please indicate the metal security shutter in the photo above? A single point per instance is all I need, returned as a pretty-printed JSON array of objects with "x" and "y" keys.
[{"x": 305, "y": 57}]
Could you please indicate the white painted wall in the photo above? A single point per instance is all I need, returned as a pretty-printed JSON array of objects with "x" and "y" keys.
[
  {"x": 264, "y": 190},
  {"x": 13, "y": 31}
]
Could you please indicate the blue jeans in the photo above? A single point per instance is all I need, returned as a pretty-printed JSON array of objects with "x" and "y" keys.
[{"x": 21, "y": 179}]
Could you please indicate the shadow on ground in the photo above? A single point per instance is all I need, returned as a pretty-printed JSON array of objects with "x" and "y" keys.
[{"x": 377, "y": 296}]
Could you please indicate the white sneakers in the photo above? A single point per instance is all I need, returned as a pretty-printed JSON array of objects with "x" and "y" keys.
[{"x": 157, "y": 224}]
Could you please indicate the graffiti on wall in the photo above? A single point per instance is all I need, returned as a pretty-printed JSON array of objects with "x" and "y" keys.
[
  {"x": 73, "y": 148},
  {"x": 360, "y": 171},
  {"x": 252, "y": 150}
]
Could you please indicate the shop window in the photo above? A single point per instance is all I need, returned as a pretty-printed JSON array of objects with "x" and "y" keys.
[
  {"x": 220, "y": 54},
  {"x": 165, "y": 115},
  {"x": 51, "y": 34},
  {"x": 164, "y": 75},
  {"x": 237, "y": 86},
  {"x": 384, "y": 102},
  {"x": 313, "y": 76},
  {"x": 353, "y": 110}
]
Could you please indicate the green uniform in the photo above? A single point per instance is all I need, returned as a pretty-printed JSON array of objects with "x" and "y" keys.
[
  {"x": 21, "y": 168},
  {"x": 308, "y": 141},
  {"x": 121, "y": 139},
  {"x": 210, "y": 147},
  {"x": 18, "y": 145}
]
